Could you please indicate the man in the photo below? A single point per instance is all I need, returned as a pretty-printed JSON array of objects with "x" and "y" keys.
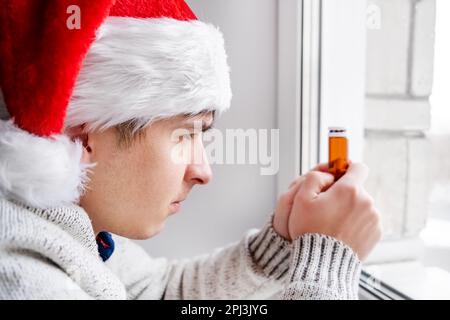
[{"x": 88, "y": 152}]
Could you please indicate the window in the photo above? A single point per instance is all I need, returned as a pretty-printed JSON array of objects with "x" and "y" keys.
[
  {"x": 380, "y": 68},
  {"x": 407, "y": 121}
]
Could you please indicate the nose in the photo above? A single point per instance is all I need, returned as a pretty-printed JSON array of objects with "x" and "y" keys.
[{"x": 199, "y": 173}]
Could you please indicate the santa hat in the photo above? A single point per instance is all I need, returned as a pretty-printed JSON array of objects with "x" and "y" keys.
[{"x": 99, "y": 63}]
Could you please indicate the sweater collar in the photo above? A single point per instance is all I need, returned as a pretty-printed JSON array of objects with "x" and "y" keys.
[{"x": 71, "y": 218}]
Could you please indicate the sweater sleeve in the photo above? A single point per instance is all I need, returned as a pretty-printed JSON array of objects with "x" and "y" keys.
[
  {"x": 262, "y": 265},
  {"x": 322, "y": 268},
  {"x": 255, "y": 267}
]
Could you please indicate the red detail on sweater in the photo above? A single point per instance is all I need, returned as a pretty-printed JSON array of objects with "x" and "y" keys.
[
  {"x": 40, "y": 57},
  {"x": 103, "y": 243}
]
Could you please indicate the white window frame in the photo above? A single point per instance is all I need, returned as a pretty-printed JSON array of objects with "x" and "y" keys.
[{"x": 315, "y": 58}]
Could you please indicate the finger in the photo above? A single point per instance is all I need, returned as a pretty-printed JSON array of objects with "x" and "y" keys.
[
  {"x": 287, "y": 198},
  {"x": 285, "y": 203},
  {"x": 284, "y": 207},
  {"x": 294, "y": 189},
  {"x": 322, "y": 167},
  {"x": 296, "y": 181},
  {"x": 356, "y": 174},
  {"x": 315, "y": 182}
]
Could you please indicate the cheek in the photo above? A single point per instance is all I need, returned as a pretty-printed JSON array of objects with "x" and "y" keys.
[
  {"x": 142, "y": 178},
  {"x": 157, "y": 174},
  {"x": 169, "y": 172}
]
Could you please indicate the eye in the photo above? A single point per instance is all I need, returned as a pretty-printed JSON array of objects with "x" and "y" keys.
[{"x": 187, "y": 137}]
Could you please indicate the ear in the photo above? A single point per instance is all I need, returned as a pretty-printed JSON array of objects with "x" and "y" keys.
[{"x": 78, "y": 133}]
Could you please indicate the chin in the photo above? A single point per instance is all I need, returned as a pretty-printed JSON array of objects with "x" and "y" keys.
[{"x": 149, "y": 232}]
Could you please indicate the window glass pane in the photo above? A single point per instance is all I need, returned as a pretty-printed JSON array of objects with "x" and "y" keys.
[{"x": 407, "y": 139}]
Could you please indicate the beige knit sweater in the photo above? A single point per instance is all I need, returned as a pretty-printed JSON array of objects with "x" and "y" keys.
[{"x": 52, "y": 254}]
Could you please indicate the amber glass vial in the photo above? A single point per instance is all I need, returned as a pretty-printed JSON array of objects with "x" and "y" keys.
[{"x": 337, "y": 151}]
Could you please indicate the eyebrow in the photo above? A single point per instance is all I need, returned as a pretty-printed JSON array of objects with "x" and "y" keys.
[{"x": 189, "y": 123}]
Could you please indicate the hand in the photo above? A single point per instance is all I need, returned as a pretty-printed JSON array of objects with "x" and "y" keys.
[
  {"x": 342, "y": 210},
  {"x": 285, "y": 202}
]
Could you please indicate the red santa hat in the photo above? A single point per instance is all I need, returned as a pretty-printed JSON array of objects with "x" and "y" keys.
[{"x": 98, "y": 63}]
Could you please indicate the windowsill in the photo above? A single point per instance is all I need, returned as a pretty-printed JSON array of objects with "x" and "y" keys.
[
  {"x": 418, "y": 268},
  {"x": 413, "y": 279}
]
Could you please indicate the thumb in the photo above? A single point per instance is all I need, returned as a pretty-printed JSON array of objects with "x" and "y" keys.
[{"x": 356, "y": 174}]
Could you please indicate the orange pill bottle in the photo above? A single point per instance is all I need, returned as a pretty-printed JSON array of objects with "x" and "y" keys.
[{"x": 337, "y": 151}]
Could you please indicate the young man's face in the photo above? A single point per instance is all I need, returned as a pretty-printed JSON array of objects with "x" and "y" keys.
[{"x": 132, "y": 189}]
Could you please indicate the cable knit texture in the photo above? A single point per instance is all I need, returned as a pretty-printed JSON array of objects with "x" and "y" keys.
[{"x": 52, "y": 254}]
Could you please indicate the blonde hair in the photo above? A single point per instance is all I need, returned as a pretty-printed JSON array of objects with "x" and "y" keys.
[{"x": 128, "y": 132}]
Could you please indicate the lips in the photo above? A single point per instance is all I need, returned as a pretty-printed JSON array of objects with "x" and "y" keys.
[{"x": 175, "y": 206}]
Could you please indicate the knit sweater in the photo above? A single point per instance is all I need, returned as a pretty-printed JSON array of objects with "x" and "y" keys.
[{"x": 52, "y": 254}]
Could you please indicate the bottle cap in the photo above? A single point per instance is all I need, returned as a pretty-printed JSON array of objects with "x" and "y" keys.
[{"x": 337, "y": 132}]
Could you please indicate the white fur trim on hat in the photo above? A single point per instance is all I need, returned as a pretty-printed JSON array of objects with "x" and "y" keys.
[
  {"x": 37, "y": 171},
  {"x": 148, "y": 69}
]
